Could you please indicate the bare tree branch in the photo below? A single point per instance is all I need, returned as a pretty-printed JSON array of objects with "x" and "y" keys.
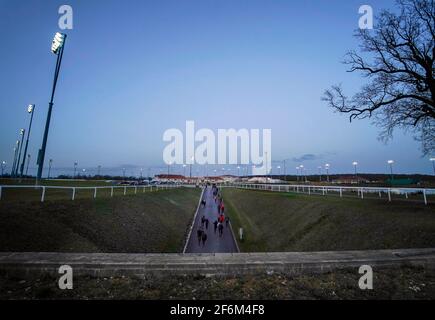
[{"x": 400, "y": 91}]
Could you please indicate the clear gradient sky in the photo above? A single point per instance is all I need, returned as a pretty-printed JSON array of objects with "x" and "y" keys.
[{"x": 133, "y": 69}]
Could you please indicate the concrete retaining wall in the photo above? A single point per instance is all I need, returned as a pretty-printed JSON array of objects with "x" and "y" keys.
[{"x": 110, "y": 264}]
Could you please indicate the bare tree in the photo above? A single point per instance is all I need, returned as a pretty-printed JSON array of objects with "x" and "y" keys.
[{"x": 397, "y": 58}]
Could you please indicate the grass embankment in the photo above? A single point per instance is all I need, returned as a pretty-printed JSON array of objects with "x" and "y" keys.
[
  {"x": 65, "y": 190},
  {"x": 57, "y": 182},
  {"x": 397, "y": 283},
  {"x": 296, "y": 222},
  {"x": 148, "y": 222}
]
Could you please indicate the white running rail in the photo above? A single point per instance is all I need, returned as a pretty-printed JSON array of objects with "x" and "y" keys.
[
  {"x": 361, "y": 192},
  {"x": 95, "y": 189}
]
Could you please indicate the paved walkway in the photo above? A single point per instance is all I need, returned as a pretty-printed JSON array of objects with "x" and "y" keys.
[{"x": 214, "y": 243}]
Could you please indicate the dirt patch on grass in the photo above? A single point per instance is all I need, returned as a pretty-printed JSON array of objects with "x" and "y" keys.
[{"x": 149, "y": 222}]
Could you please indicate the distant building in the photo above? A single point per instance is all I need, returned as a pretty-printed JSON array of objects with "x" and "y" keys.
[
  {"x": 350, "y": 180},
  {"x": 177, "y": 178},
  {"x": 263, "y": 180}
]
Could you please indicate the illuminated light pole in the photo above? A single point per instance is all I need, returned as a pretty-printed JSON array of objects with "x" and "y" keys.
[
  {"x": 433, "y": 164},
  {"x": 279, "y": 170},
  {"x": 297, "y": 173},
  {"x": 267, "y": 171},
  {"x": 57, "y": 48},
  {"x": 84, "y": 173},
  {"x": 75, "y": 169},
  {"x": 3, "y": 167},
  {"x": 22, "y": 132},
  {"x": 31, "y": 110},
  {"x": 238, "y": 171},
  {"x": 285, "y": 170},
  {"x": 355, "y": 164},
  {"x": 169, "y": 165},
  {"x": 327, "y": 171},
  {"x": 50, "y": 162},
  {"x": 28, "y": 162},
  {"x": 192, "y": 160},
  {"x": 17, "y": 145},
  {"x": 303, "y": 173},
  {"x": 391, "y": 162},
  {"x": 184, "y": 170},
  {"x": 320, "y": 173}
]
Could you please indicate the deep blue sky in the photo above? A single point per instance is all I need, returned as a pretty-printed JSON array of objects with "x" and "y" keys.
[{"x": 133, "y": 69}]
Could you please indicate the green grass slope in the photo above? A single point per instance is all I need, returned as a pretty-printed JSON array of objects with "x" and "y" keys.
[
  {"x": 148, "y": 222},
  {"x": 294, "y": 222}
]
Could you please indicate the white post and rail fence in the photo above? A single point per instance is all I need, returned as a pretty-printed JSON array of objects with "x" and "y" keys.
[
  {"x": 416, "y": 194},
  {"x": 95, "y": 190},
  {"x": 389, "y": 193}
]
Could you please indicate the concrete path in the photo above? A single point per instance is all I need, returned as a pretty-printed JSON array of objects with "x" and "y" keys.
[
  {"x": 214, "y": 243},
  {"x": 112, "y": 264}
]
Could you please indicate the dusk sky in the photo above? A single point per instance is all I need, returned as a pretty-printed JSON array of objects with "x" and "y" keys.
[{"x": 133, "y": 69}]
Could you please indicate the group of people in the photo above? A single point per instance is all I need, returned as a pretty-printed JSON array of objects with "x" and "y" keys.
[{"x": 218, "y": 223}]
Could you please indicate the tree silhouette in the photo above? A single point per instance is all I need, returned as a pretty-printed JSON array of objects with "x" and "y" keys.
[{"x": 397, "y": 58}]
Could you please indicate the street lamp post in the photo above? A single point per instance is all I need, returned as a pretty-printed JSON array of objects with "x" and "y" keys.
[
  {"x": 238, "y": 171},
  {"x": 433, "y": 164},
  {"x": 297, "y": 173},
  {"x": 75, "y": 169},
  {"x": 302, "y": 173},
  {"x": 50, "y": 162},
  {"x": 390, "y": 162},
  {"x": 355, "y": 164},
  {"x": 123, "y": 173},
  {"x": 17, "y": 145},
  {"x": 3, "y": 167},
  {"x": 192, "y": 160},
  {"x": 99, "y": 170},
  {"x": 320, "y": 173},
  {"x": 327, "y": 171},
  {"x": 184, "y": 170},
  {"x": 22, "y": 132},
  {"x": 285, "y": 170},
  {"x": 28, "y": 162},
  {"x": 30, "y": 109},
  {"x": 57, "y": 48}
]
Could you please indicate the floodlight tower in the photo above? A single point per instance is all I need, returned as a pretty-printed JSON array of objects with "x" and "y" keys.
[
  {"x": 30, "y": 110},
  {"x": 57, "y": 48},
  {"x": 391, "y": 162},
  {"x": 327, "y": 171},
  {"x": 3, "y": 167},
  {"x": 50, "y": 162},
  {"x": 355, "y": 164},
  {"x": 22, "y": 132}
]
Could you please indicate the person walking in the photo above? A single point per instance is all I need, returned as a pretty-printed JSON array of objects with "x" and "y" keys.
[
  {"x": 202, "y": 221},
  {"x": 227, "y": 220},
  {"x": 204, "y": 238},
  {"x": 215, "y": 224},
  {"x": 199, "y": 233},
  {"x": 206, "y": 223},
  {"x": 221, "y": 229}
]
